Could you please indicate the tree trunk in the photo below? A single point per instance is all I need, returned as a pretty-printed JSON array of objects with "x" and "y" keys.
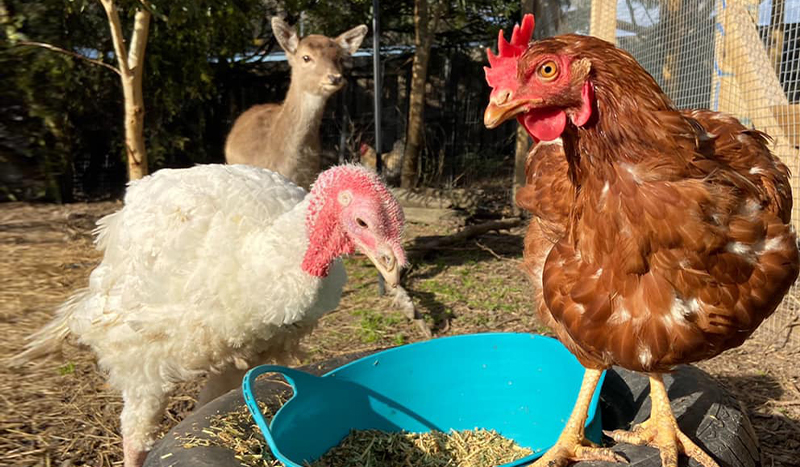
[
  {"x": 426, "y": 18},
  {"x": 550, "y": 9},
  {"x": 131, "y": 67},
  {"x": 523, "y": 145}
]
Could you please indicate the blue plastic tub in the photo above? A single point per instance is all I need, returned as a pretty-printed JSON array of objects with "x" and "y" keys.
[{"x": 521, "y": 385}]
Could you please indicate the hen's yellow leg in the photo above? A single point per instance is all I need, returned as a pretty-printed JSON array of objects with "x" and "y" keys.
[
  {"x": 661, "y": 431},
  {"x": 571, "y": 445}
]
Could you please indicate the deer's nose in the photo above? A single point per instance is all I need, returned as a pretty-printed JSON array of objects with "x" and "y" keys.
[{"x": 335, "y": 79}]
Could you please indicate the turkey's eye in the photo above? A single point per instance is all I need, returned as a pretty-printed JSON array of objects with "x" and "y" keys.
[
  {"x": 548, "y": 70},
  {"x": 306, "y": 58},
  {"x": 361, "y": 223}
]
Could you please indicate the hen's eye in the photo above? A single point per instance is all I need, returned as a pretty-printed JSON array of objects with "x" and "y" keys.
[
  {"x": 306, "y": 58},
  {"x": 548, "y": 70},
  {"x": 361, "y": 222}
]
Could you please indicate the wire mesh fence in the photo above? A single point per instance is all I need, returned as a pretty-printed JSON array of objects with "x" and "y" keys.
[
  {"x": 736, "y": 56},
  {"x": 458, "y": 151}
]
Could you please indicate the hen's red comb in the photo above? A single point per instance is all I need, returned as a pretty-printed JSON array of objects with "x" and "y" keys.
[{"x": 503, "y": 67}]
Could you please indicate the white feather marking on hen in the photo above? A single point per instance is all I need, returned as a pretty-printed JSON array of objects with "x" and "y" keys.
[{"x": 620, "y": 316}]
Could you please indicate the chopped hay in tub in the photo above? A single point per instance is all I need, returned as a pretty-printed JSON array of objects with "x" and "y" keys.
[
  {"x": 469, "y": 448},
  {"x": 238, "y": 432}
]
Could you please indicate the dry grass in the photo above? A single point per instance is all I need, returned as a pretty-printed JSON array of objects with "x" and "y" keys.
[
  {"x": 237, "y": 432},
  {"x": 62, "y": 413}
]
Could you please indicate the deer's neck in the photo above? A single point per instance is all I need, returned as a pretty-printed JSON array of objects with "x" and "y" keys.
[{"x": 300, "y": 117}]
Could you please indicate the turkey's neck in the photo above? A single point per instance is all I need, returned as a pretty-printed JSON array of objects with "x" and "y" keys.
[
  {"x": 285, "y": 241},
  {"x": 326, "y": 237},
  {"x": 286, "y": 244}
]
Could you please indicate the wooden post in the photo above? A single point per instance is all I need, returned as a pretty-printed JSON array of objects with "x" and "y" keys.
[
  {"x": 777, "y": 34},
  {"x": 603, "y": 20},
  {"x": 675, "y": 20},
  {"x": 744, "y": 86},
  {"x": 376, "y": 77}
]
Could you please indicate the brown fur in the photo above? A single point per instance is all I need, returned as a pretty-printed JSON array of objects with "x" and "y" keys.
[{"x": 285, "y": 137}]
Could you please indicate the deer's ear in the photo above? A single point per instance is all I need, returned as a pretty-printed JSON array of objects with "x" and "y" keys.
[
  {"x": 350, "y": 40},
  {"x": 285, "y": 35}
]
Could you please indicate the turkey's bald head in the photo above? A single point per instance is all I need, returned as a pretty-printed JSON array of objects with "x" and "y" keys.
[{"x": 351, "y": 209}]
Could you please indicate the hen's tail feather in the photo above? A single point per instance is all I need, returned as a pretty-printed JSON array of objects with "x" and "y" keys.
[{"x": 49, "y": 339}]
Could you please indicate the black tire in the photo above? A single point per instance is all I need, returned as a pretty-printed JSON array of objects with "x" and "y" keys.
[{"x": 705, "y": 412}]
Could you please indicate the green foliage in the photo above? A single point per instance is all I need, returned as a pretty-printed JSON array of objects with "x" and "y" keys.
[
  {"x": 66, "y": 369},
  {"x": 377, "y": 324},
  {"x": 51, "y": 105},
  {"x": 61, "y": 117},
  {"x": 66, "y": 114},
  {"x": 476, "y": 21},
  {"x": 463, "y": 24}
]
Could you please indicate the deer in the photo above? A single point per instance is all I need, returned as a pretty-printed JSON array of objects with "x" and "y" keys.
[{"x": 285, "y": 137}]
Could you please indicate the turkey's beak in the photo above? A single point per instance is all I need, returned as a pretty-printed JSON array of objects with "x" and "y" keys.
[
  {"x": 385, "y": 260},
  {"x": 501, "y": 108}
]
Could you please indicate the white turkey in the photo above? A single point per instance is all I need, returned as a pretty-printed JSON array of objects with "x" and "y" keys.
[{"x": 213, "y": 269}]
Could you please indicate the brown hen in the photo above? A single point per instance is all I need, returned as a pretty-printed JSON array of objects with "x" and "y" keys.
[{"x": 659, "y": 236}]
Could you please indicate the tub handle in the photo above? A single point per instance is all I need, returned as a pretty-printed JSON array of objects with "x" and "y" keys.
[{"x": 293, "y": 377}]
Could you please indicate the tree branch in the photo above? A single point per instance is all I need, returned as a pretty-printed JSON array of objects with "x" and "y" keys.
[
  {"x": 423, "y": 248},
  {"x": 152, "y": 10},
  {"x": 70, "y": 53},
  {"x": 116, "y": 36}
]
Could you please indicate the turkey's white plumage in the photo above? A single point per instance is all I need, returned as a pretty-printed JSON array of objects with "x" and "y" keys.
[
  {"x": 214, "y": 269},
  {"x": 201, "y": 269}
]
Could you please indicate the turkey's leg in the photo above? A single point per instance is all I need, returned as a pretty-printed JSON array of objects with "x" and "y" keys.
[
  {"x": 661, "y": 431},
  {"x": 218, "y": 384},
  {"x": 571, "y": 445},
  {"x": 141, "y": 414}
]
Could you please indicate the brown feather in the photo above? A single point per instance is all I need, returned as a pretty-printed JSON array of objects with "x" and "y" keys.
[{"x": 658, "y": 236}]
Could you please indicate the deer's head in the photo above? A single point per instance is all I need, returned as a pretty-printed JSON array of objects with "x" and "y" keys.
[{"x": 316, "y": 60}]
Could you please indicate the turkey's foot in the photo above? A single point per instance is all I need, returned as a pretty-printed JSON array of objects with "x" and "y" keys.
[
  {"x": 661, "y": 431},
  {"x": 133, "y": 457}
]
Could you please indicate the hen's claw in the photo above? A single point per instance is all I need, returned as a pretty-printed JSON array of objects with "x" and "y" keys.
[
  {"x": 565, "y": 453},
  {"x": 571, "y": 445},
  {"x": 661, "y": 431}
]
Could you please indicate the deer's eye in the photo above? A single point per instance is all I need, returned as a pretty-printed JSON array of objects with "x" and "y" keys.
[
  {"x": 361, "y": 222},
  {"x": 306, "y": 58}
]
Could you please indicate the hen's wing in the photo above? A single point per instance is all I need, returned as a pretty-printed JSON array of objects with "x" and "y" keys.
[
  {"x": 547, "y": 196},
  {"x": 677, "y": 254}
]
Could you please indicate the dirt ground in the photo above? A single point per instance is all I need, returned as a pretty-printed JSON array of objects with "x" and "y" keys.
[{"x": 61, "y": 413}]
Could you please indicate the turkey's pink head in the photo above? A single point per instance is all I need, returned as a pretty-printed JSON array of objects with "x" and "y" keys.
[{"x": 351, "y": 209}]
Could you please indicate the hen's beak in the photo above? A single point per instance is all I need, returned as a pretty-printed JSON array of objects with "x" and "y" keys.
[
  {"x": 385, "y": 260},
  {"x": 502, "y": 108}
]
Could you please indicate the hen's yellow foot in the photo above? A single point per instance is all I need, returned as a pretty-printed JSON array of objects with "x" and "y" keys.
[
  {"x": 571, "y": 445},
  {"x": 661, "y": 431},
  {"x": 566, "y": 452}
]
